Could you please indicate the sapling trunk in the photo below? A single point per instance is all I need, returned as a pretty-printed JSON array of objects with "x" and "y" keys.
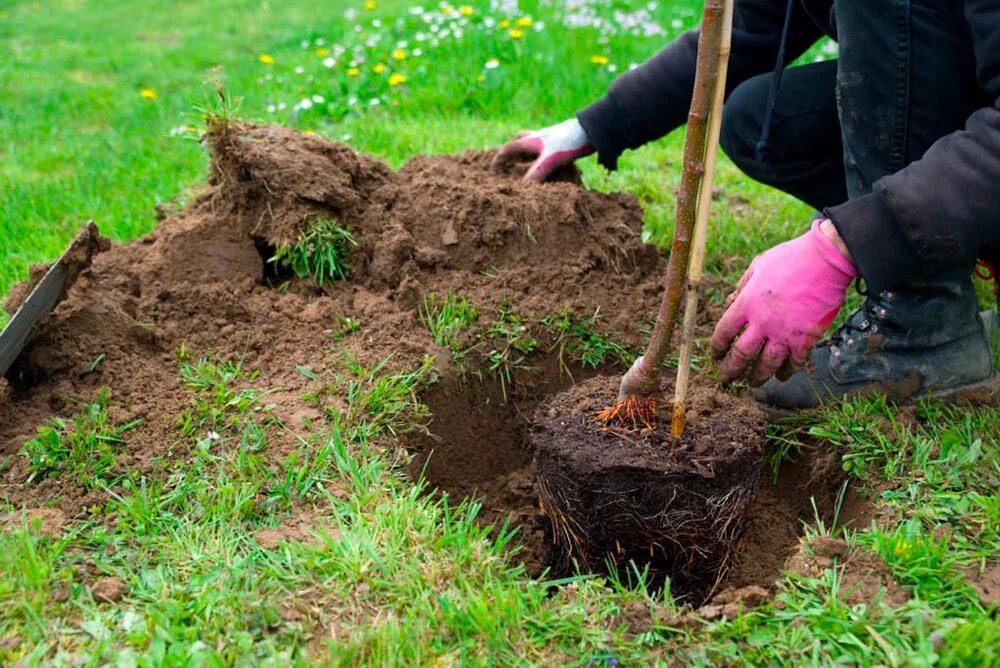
[
  {"x": 697, "y": 260},
  {"x": 706, "y": 75}
]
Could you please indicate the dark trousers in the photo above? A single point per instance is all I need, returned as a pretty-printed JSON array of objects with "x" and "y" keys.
[{"x": 905, "y": 77}]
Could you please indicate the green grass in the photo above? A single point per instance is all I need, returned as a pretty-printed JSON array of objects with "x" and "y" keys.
[
  {"x": 322, "y": 253},
  {"x": 448, "y": 320},
  {"x": 381, "y": 572},
  {"x": 84, "y": 447}
]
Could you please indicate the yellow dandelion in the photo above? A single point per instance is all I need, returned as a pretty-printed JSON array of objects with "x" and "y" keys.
[
  {"x": 353, "y": 71},
  {"x": 515, "y": 33},
  {"x": 369, "y": 5},
  {"x": 397, "y": 79},
  {"x": 322, "y": 52},
  {"x": 148, "y": 94},
  {"x": 504, "y": 24},
  {"x": 466, "y": 10},
  {"x": 399, "y": 54},
  {"x": 599, "y": 60},
  {"x": 379, "y": 68},
  {"x": 267, "y": 58},
  {"x": 447, "y": 10},
  {"x": 524, "y": 22}
]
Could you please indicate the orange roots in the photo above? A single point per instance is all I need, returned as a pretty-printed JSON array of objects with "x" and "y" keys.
[{"x": 631, "y": 412}]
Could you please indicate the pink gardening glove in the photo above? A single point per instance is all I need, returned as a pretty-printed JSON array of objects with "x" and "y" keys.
[
  {"x": 548, "y": 148},
  {"x": 783, "y": 305}
]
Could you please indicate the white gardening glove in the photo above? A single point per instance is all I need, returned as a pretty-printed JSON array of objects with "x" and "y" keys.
[{"x": 549, "y": 148}]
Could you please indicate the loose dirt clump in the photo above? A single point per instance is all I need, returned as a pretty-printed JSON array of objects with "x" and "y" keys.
[
  {"x": 108, "y": 590},
  {"x": 620, "y": 495}
]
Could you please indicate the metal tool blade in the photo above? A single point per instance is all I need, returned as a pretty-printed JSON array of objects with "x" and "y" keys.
[{"x": 43, "y": 298}]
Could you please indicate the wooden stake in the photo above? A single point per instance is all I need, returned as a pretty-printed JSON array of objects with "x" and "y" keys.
[
  {"x": 697, "y": 260},
  {"x": 706, "y": 73}
]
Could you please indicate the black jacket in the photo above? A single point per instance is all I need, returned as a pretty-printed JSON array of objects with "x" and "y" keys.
[{"x": 933, "y": 214}]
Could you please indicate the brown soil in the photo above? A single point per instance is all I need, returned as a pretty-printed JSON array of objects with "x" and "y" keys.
[
  {"x": 108, "y": 590},
  {"x": 864, "y": 577},
  {"x": 623, "y": 495},
  {"x": 201, "y": 281},
  {"x": 986, "y": 582}
]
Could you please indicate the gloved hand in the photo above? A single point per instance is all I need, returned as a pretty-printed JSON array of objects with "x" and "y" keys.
[
  {"x": 783, "y": 305},
  {"x": 548, "y": 148}
]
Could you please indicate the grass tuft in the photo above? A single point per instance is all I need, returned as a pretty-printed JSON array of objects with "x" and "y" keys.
[
  {"x": 322, "y": 253},
  {"x": 85, "y": 446}
]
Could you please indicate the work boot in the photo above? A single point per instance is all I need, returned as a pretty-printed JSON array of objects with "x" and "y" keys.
[{"x": 924, "y": 339}]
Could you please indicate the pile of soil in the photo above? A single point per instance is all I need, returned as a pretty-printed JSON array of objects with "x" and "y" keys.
[
  {"x": 618, "y": 494},
  {"x": 202, "y": 282}
]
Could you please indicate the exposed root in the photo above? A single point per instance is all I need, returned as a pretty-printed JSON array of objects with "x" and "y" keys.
[{"x": 632, "y": 413}]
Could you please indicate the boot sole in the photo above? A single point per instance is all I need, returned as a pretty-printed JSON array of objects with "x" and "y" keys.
[{"x": 984, "y": 393}]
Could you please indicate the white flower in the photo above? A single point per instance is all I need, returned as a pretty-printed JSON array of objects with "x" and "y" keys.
[
  {"x": 213, "y": 436},
  {"x": 351, "y": 14},
  {"x": 320, "y": 41},
  {"x": 376, "y": 23},
  {"x": 416, "y": 11},
  {"x": 271, "y": 108},
  {"x": 304, "y": 103},
  {"x": 492, "y": 64},
  {"x": 676, "y": 24},
  {"x": 299, "y": 69},
  {"x": 282, "y": 106},
  {"x": 329, "y": 62},
  {"x": 374, "y": 102},
  {"x": 318, "y": 99},
  {"x": 612, "y": 68},
  {"x": 352, "y": 100},
  {"x": 417, "y": 53}
]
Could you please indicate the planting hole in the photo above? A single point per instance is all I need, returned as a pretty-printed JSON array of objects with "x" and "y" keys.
[{"x": 478, "y": 445}]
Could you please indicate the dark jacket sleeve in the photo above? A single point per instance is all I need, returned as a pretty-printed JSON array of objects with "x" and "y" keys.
[
  {"x": 936, "y": 212},
  {"x": 653, "y": 99}
]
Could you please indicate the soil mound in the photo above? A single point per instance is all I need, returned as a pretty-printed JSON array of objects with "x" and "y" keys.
[{"x": 202, "y": 282}]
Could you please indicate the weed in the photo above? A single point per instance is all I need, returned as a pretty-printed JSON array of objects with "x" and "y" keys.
[
  {"x": 218, "y": 110},
  {"x": 321, "y": 253},
  {"x": 510, "y": 345},
  {"x": 446, "y": 321},
  {"x": 579, "y": 338},
  {"x": 382, "y": 403},
  {"x": 85, "y": 446},
  {"x": 344, "y": 327}
]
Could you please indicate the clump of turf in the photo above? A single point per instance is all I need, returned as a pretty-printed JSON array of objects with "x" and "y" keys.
[{"x": 321, "y": 253}]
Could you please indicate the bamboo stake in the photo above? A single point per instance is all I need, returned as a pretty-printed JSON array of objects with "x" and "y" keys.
[
  {"x": 697, "y": 261},
  {"x": 635, "y": 389}
]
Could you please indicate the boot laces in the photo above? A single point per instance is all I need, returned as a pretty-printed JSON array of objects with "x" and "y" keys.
[{"x": 865, "y": 321}]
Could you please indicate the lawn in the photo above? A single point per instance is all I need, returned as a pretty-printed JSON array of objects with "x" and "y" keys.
[{"x": 100, "y": 120}]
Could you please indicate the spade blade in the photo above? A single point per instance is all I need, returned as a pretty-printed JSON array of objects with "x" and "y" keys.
[{"x": 48, "y": 292}]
